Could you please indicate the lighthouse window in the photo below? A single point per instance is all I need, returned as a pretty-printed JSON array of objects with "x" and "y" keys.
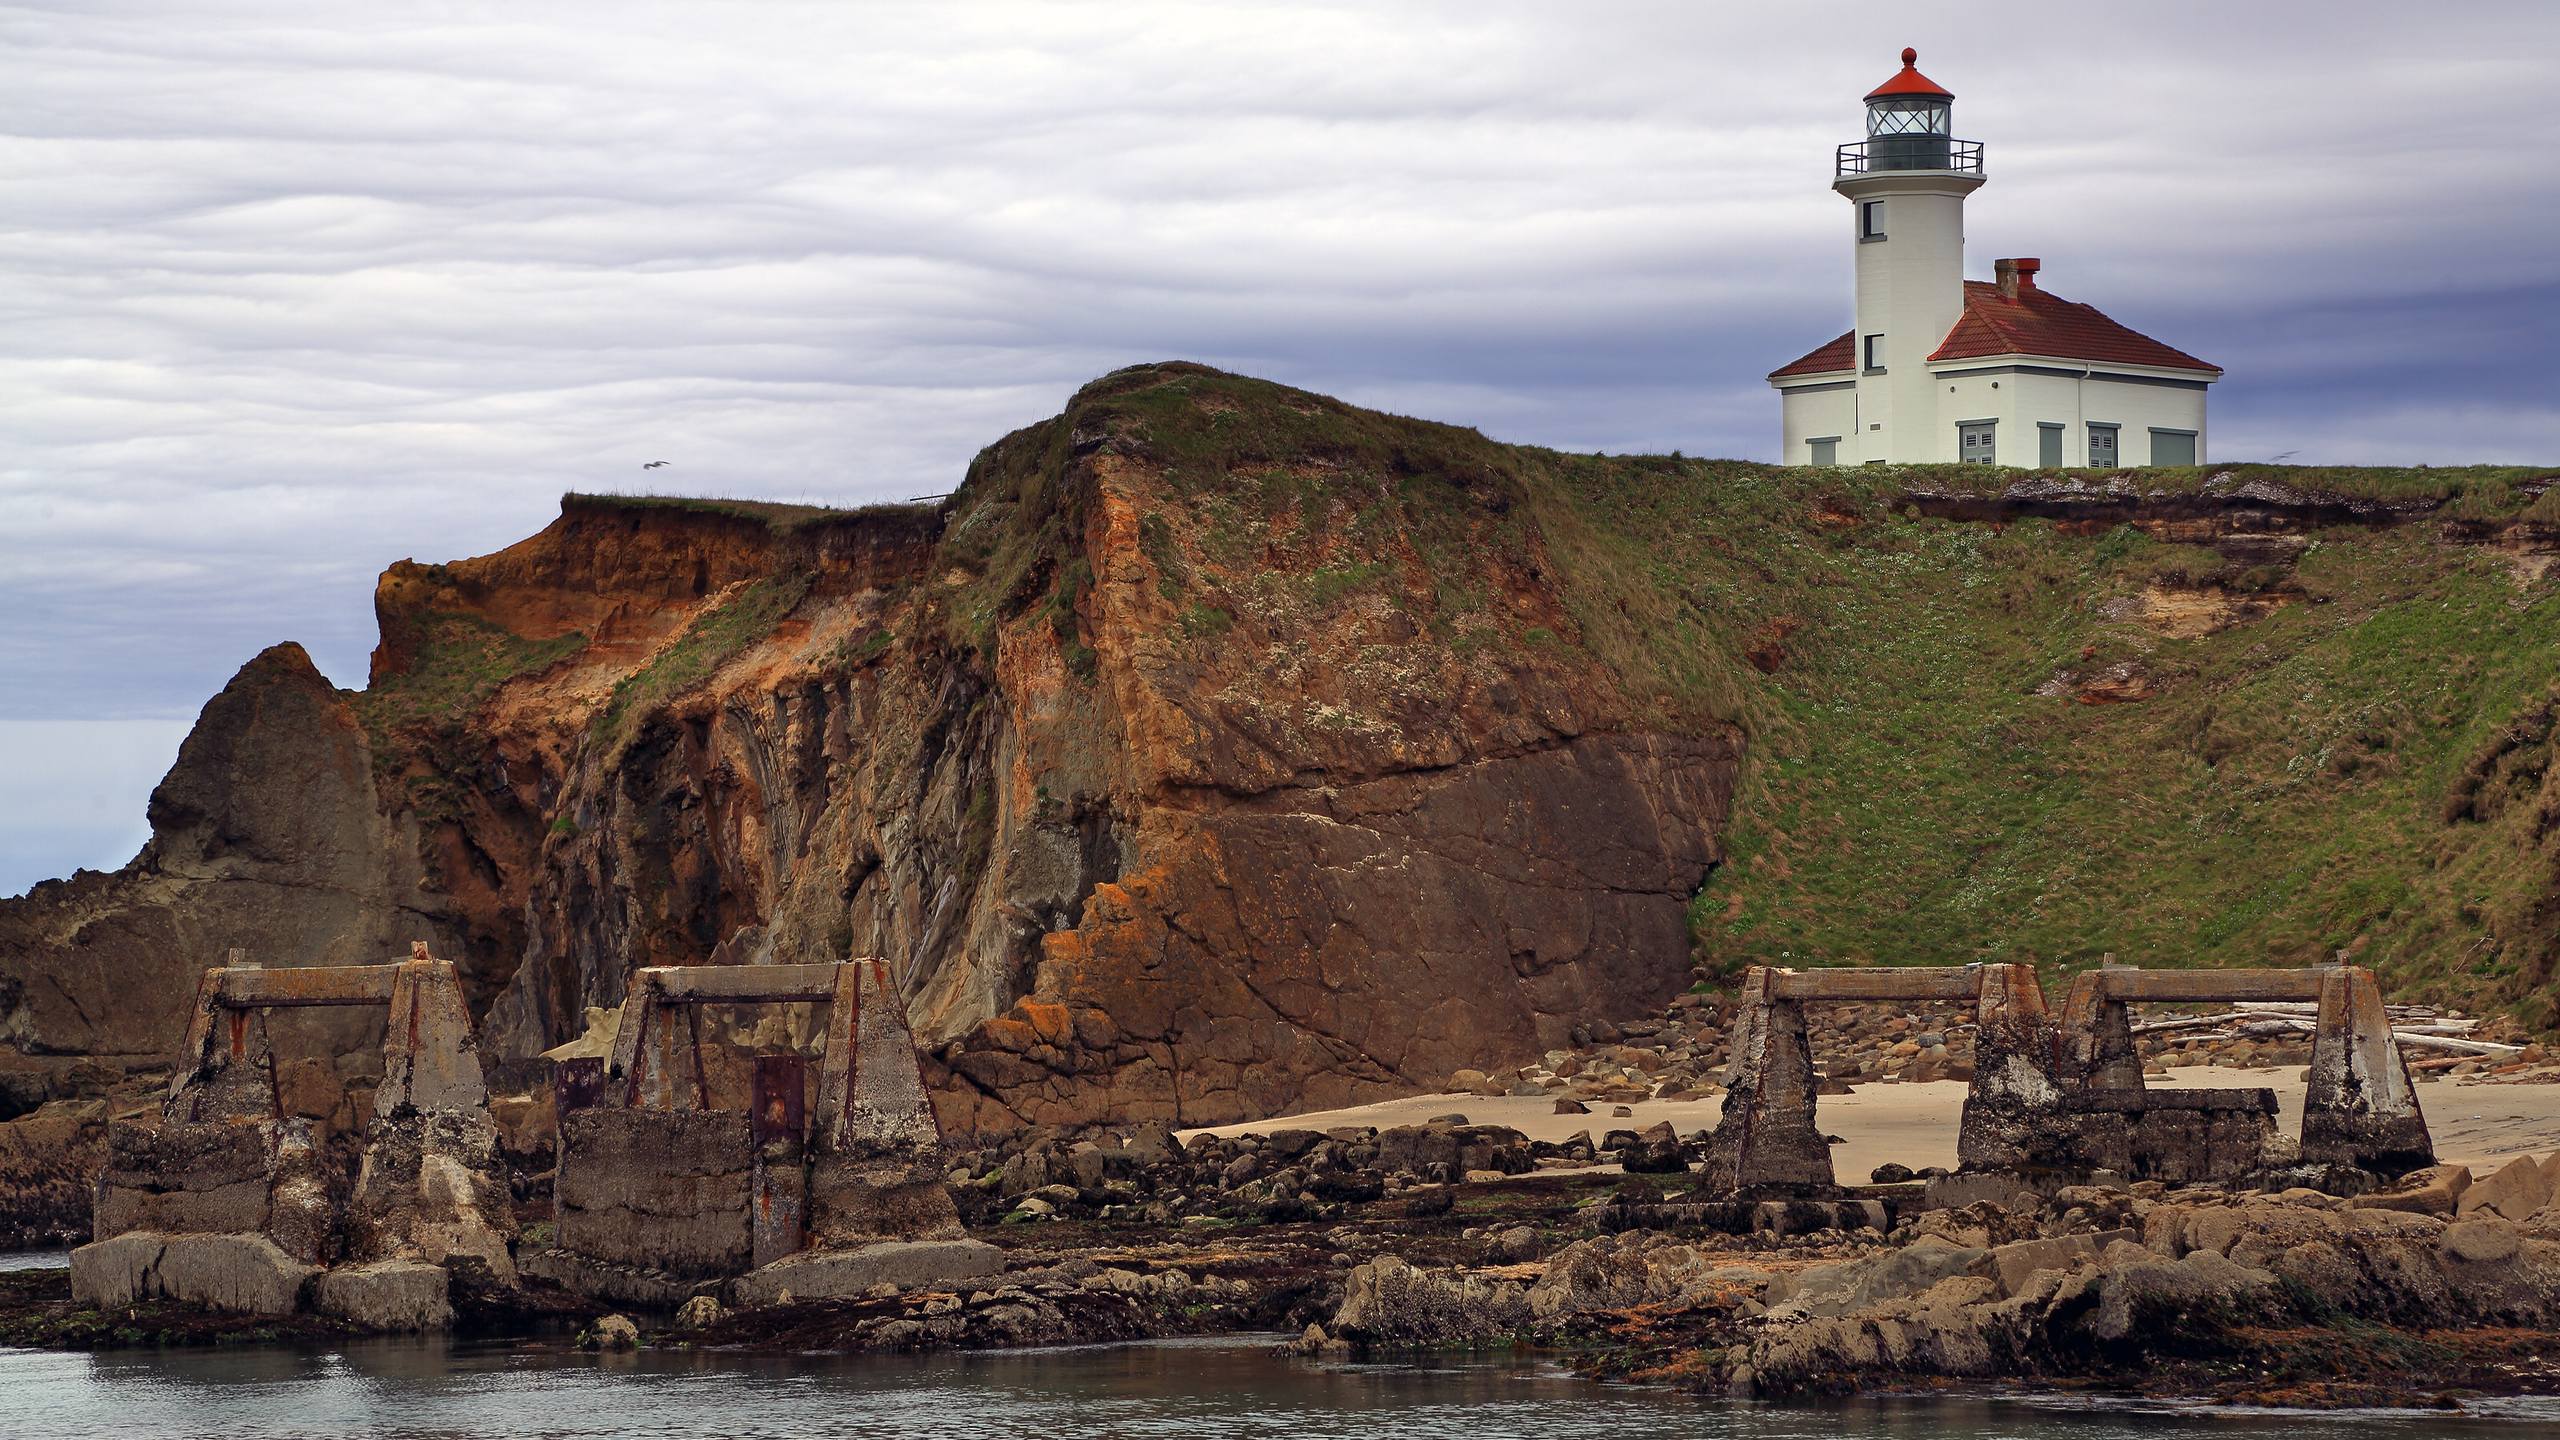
[
  {"x": 1875, "y": 352},
  {"x": 1871, "y": 220}
]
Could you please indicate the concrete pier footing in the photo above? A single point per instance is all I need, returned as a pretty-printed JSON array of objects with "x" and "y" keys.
[
  {"x": 225, "y": 1201},
  {"x": 2063, "y": 1097},
  {"x": 664, "y": 1194}
]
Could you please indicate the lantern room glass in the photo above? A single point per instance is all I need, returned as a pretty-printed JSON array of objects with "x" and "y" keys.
[{"x": 1909, "y": 133}]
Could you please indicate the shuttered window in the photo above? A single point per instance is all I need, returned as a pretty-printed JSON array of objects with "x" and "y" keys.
[
  {"x": 2102, "y": 447},
  {"x": 2173, "y": 447}
]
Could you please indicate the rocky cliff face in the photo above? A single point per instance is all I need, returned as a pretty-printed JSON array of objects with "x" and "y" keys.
[
  {"x": 1217, "y": 749},
  {"x": 266, "y": 835}
]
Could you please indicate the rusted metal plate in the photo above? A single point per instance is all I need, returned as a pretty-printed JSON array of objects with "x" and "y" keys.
[
  {"x": 781, "y": 1107},
  {"x": 577, "y": 1084},
  {"x": 778, "y": 1120}
]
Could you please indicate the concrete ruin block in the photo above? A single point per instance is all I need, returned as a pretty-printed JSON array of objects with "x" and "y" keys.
[
  {"x": 846, "y": 1274},
  {"x": 2360, "y": 1111},
  {"x": 611, "y": 1283},
  {"x": 182, "y": 1177},
  {"x": 1766, "y": 1139},
  {"x": 244, "y": 1274},
  {"x": 432, "y": 1190},
  {"x": 305, "y": 1197},
  {"x": 2184, "y": 1137},
  {"x": 662, "y": 1190},
  {"x": 2016, "y": 1114},
  {"x": 878, "y": 1174},
  {"x": 428, "y": 1061},
  {"x": 399, "y": 1295},
  {"x": 2097, "y": 1048}
]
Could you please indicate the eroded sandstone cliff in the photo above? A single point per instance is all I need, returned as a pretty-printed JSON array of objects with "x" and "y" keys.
[{"x": 1218, "y": 749}]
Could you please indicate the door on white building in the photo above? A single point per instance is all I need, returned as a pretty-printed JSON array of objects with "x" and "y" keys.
[
  {"x": 1973, "y": 443},
  {"x": 2049, "y": 444},
  {"x": 1825, "y": 451},
  {"x": 2102, "y": 447},
  {"x": 2173, "y": 447}
]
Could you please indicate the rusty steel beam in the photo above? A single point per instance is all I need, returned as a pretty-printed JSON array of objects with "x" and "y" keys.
[
  {"x": 2128, "y": 983},
  {"x": 251, "y": 988},
  {"x": 1883, "y": 982}
]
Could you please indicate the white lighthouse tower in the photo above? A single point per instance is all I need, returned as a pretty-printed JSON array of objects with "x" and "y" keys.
[
  {"x": 1906, "y": 184},
  {"x": 1939, "y": 368}
]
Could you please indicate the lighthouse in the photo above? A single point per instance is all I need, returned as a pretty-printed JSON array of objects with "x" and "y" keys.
[{"x": 1938, "y": 368}]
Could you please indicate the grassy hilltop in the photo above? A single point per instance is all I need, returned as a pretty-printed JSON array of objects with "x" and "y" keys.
[{"x": 2337, "y": 740}]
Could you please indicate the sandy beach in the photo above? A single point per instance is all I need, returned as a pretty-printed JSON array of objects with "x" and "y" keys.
[{"x": 2477, "y": 1125}]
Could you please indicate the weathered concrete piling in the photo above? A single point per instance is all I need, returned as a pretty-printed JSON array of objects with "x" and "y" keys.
[
  {"x": 229, "y": 1203},
  {"x": 664, "y": 1194},
  {"x": 2066, "y": 1100}
]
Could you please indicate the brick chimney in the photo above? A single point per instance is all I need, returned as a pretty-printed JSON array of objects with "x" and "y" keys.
[{"x": 2015, "y": 276}]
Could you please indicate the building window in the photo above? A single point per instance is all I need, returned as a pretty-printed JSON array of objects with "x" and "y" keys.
[
  {"x": 1875, "y": 354},
  {"x": 2048, "y": 445},
  {"x": 1826, "y": 451},
  {"x": 1974, "y": 444},
  {"x": 2102, "y": 447},
  {"x": 1870, "y": 219},
  {"x": 2173, "y": 447}
]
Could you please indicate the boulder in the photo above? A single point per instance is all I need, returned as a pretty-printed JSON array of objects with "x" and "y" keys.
[
  {"x": 2481, "y": 1240},
  {"x": 2140, "y": 1290},
  {"x": 2436, "y": 1190},
  {"x": 2011, "y": 1265},
  {"x": 2515, "y": 1192},
  {"x": 386, "y": 1295},
  {"x": 845, "y": 1274},
  {"x": 1837, "y": 1289},
  {"x": 246, "y": 1274},
  {"x": 1388, "y": 1302},
  {"x": 1615, "y": 1272}
]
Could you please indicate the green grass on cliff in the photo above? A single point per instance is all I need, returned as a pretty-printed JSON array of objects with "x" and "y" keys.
[
  {"x": 714, "y": 637},
  {"x": 776, "y": 516},
  {"x": 457, "y": 662},
  {"x": 1918, "y": 789},
  {"x": 1912, "y": 798}
]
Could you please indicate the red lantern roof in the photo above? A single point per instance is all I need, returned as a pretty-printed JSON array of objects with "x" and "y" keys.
[{"x": 1910, "y": 82}]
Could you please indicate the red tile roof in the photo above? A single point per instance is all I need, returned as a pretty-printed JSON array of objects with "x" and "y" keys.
[
  {"x": 2037, "y": 322},
  {"x": 1835, "y": 356}
]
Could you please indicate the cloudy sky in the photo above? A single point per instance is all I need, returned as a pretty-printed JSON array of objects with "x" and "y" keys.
[{"x": 292, "y": 291}]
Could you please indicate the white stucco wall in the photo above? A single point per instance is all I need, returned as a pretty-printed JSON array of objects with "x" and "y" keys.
[
  {"x": 1809, "y": 413},
  {"x": 2022, "y": 400},
  {"x": 1910, "y": 289}
]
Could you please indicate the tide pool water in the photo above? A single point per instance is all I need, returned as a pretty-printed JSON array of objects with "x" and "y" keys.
[{"x": 1193, "y": 1390}]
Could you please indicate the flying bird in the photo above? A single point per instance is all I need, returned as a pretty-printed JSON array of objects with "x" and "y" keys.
[{"x": 654, "y": 464}]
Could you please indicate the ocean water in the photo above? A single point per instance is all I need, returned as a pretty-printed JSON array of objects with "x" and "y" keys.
[{"x": 1188, "y": 1390}]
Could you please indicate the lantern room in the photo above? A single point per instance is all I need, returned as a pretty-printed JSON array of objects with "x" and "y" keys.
[{"x": 1910, "y": 126}]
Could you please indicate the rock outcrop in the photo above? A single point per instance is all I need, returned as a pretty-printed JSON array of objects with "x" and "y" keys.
[{"x": 1167, "y": 806}]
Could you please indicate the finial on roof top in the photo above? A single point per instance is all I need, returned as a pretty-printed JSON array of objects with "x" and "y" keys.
[{"x": 1910, "y": 57}]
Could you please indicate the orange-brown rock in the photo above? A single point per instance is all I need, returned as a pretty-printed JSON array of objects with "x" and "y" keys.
[{"x": 1218, "y": 748}]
